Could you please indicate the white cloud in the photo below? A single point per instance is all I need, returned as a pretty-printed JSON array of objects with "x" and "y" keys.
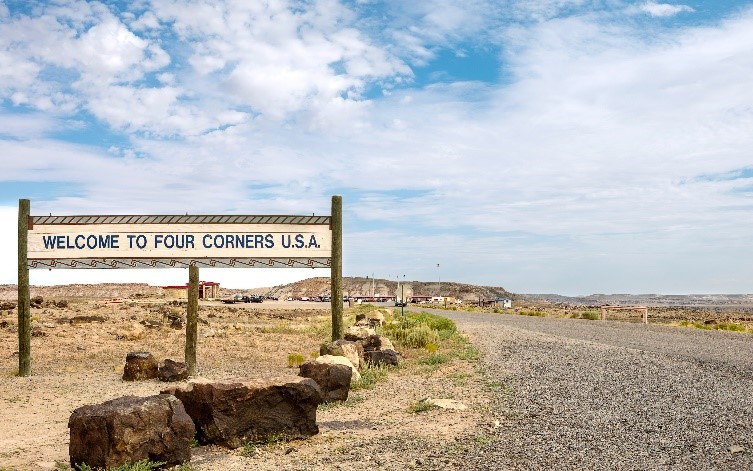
[
  {"x": 277, "y": 61},
  {"x": 664, "y": 9}
]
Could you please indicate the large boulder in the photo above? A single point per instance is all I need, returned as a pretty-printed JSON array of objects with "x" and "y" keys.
[
  {"x": 332, "y": 378},
  {"x": 140, "y": 366},
  {"x": 237, "y": 411},
  {"x": 353, "y": 351},
  {"x": 130, "y": 429}
]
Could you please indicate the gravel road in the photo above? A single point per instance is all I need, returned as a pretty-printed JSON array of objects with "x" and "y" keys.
[{"x": 591, "y": 395}]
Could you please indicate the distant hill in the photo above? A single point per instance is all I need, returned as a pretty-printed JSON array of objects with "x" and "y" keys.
[{"x": 361, "y": 286}]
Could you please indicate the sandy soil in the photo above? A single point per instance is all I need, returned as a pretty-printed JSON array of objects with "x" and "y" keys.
[{"x": 77, "y": 361}]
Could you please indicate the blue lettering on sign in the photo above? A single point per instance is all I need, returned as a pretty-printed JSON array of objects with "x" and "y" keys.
[
  {"x": 297, "y": 242},
  {"x": 237, "y": 241},
  {"x": 81, "y": 242},
  {"x": 174, "y": 241},
  {"x": 167, "y": 241}
]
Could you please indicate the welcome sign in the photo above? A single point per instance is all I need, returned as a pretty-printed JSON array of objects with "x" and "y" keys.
[{"x": 175, "y": 241}]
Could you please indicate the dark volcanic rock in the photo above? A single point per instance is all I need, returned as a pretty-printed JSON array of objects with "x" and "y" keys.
[
  {"x": 382, "y": 357},
  {"x": 140, "y": 366},
  {"x": 233, "y": 412},
  {"x": 171, "y": 370},
  {"x": 129, "y": 429}
]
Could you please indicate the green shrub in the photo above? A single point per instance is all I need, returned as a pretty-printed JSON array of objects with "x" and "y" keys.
[
  {"x": 295, "y": 359},
  {"x": 420, "y": 330},
  {"x": 590, "y": 315},
  {"x": 731, "y": 326},
  {"x": 420, "y": 406},
  {"x": 419, "y": 337},
  {"x": 434, "y": 359},
  {"x": 369, "y": 377}
]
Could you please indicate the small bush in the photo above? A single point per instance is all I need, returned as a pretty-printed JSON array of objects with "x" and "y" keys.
[
  {"x": 295, "y": 359},
  {"x": 467, "y": 352},
  {"x": 434, "y": 359},
  {"x": 249, "y": 450},
  {"x": 590, "y": 315},
  {"x": 731, "y": 326},
  {"x": 369, "y": 377},
  {"x": 420, "y": 406},
  {"x": 432, "y": 348}
]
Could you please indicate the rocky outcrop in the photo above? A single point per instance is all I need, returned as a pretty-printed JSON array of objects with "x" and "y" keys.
[
  {"x": 140, "y": 366},
  {"x": 233, "y": 412},
  {"x": 332, "y": 378},
  {"x": 129, "y": 429}
]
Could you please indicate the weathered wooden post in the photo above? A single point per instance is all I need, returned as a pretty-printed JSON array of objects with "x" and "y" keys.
[
  {"x": 336, "y": 270},
  {"x": 24, "y": 305},
  {"x": 192, "y": 316}
]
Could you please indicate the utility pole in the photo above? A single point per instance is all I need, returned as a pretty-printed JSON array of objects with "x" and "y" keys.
[{"x": 439, "y": 274}]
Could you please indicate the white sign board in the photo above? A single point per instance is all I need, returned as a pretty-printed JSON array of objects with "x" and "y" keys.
[{"x": 178, "y": 241}]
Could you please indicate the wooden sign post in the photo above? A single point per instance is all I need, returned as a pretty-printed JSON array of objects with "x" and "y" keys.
[
  {"x": 24, "y": 303},
  {"x": 176, "y": 241},
  {"x": 192, "y": 317},
  {"x": 336, "y": 270}
]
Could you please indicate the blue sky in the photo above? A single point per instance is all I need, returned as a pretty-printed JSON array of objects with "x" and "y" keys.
[{"x": 566, "y": 146}]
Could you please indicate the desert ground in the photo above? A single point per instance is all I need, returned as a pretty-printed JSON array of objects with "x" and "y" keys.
[
  {"x": 79, "y": 347},
  {"x": 81, "y": 336}
]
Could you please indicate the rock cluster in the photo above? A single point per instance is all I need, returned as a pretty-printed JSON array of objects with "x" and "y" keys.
[
  {"x": 230, "y": 412},
  {"x": 361, "y": 346}
]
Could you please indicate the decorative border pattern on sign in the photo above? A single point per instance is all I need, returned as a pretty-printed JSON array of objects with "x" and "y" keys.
[
  {"x": 181, "y": 263},
  {"x": 181, "y": 219}
]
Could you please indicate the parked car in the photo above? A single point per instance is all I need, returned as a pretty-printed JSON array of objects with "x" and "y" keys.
[
  {"x": 233, "y": 299},
  {"x": 400, "y": 304}
]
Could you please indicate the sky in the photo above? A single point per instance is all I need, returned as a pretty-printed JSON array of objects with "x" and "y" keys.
[{"x": 546, "y": 146}]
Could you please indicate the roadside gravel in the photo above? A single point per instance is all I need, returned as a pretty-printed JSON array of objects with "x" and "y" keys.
[{"x": 589, "y": 395}]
